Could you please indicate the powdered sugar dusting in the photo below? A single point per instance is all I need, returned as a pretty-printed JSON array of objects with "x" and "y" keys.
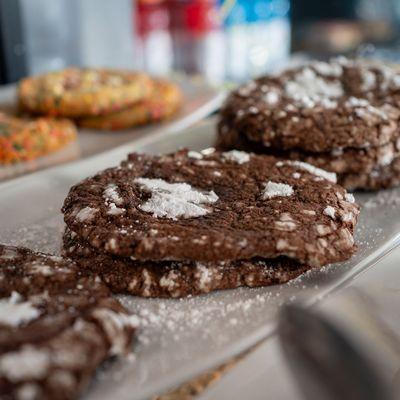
[
  {"x": 173, "y": 200},
  {"x": 329, "y": 176},
  {"x": 271, "y": 97},
  {"x": 328, "y": 69},
  {"x": 309, "y": 90},
  {"x": 26, "y": 363},
  {"x": 330, "y": 212},
  {"x": 364, "y": 109},
  {"x": 195, "y": 154},
  {"x": 114, "y": 210},
  {"x": 274, "y": 189},
  {"x": 111, "y": 194},
  {"x": 368, "y": 79},
  {"x": 350, "y": 198},
  {"x": 113, "y": 200},
  {"x": 239, "y": 157},
  {"x": 114, "y": 325},
  {"x": 14, "y": 313},
  {"x": 86, "y": 214},
  {"x": 204, "y": 276}
]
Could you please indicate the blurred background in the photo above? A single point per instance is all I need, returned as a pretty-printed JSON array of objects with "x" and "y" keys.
[{"x": 222, "y": 40}]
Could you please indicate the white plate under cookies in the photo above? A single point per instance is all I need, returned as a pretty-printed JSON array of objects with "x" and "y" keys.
[{"x": 179, "y": 339}]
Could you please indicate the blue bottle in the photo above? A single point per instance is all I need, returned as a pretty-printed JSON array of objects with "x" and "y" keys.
[{"x": 257, "y": 37}]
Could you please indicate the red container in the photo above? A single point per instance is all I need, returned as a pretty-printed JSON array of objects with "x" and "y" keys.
[
  {"x": 153, "y": 41},
  {"x": 197, "y": 37},
  {"x": 151, "y": 15}
]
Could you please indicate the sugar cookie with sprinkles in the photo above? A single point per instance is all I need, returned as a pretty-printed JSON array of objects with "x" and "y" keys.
[
  {"x": 318, "y": 107},
  {"x": 163, "y": 103},
  {"x": 24, "y": 139},
  {"x": 178, "y": 278},
  {"x": 80, "y": 92},
  {"x": 57, "y": 325},
  {"x": 210, "y": 206}
]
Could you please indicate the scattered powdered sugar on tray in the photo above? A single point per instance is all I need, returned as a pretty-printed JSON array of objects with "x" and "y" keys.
[
  {"x": 173, "y": 200},
  {"x": 44, "y": 236},
  {"x": 274, "y": 189},
  {"x": 329, "y": 176},
  {"x": 177, "y": 319},
  {"x": 384, "y": 198}
]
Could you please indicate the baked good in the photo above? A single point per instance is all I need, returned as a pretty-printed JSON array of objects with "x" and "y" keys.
[
  {"x": 164, "y": 102},
  {"x": 381, "y": 177},
  {"x": 24, "y": 139},
  {"x": 57, "y": 325},
  {"x": 340, "y": 161},
  {"x": 213, "y": 206},
  {"x": 178, "y": 278},
  {"x": 318, "y": 107},
  {"x": 79, "y": 92}
]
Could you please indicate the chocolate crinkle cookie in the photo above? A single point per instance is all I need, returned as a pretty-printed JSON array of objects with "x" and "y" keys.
[
  {"x": 57, "y": 325},
  {"x": 178, "y": 278},
  {"x": 341, "y": 115},
  {"x": 210, "y": 206}
]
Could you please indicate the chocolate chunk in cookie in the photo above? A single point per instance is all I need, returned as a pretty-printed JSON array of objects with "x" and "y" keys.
[
  {"x": 213, "y": 206},
  {"x": 56, "y": 326}
]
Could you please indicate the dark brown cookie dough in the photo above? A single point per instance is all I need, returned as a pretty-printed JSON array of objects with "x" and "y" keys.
[
  {"x": 178, "y": 279},
  {"x": 57, "y": 325},
  {"x": 380, "y": 178},
  {"x": 213, "y": 206},
  {"x": 340, "y": 161},
  {"x": 318, "y": 107}
]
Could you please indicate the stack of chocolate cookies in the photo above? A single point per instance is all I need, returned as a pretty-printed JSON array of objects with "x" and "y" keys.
[
  {"x": 341, "y": 115},
  {"x": 191, "y": 222}
]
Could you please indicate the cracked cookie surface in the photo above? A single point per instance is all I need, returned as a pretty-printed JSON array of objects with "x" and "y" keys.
[
  {"x": 57, "y": 325},
  {"x": 178, "y": 278},
  {"x": 318, "y": 107},
  {"x": 212, "y": 206}
]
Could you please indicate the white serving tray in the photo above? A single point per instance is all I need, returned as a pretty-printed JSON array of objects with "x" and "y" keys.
[{"x": 181, "y": 338}]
